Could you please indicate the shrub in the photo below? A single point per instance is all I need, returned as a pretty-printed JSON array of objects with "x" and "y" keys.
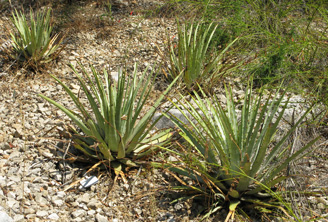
[
  {"x": 34, "y": 42},
  {"x": 232, "y": 158},
  {"x": 114, "y": 130}
]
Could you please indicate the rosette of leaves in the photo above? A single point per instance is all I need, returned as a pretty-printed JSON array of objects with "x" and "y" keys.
[
  {"x": 115, "y": 128},
  {"x": 34, "y": 41},
  {"x": 191, "y": 56},
  {"x": 231, "y": 157}
]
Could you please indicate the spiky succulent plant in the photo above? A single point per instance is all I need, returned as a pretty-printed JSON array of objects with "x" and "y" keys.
[
  {"x": 115, "y": 129},
  {"x": 232, "y": 157}
]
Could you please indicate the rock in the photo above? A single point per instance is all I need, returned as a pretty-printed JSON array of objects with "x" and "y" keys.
[
  {"x": 100, "y": 218},
  {"x": 321, "y": 206},
  {"x": 78, "y": 213},
  {"x": 5, "y": 146},
  {"x": 12, "y": 203},
  {"x": 55, "y": 174},
  {"x": 165, "y": 122},
  {"x": 61, "y": 194},
  {"x": 5, "y": 217},
  {"x": 94, "y": 204},
  {"x": 74, "y": 63},
  {"x": 138, "y": 211},
  {"x": 313, "y": 200},
  {"x": 18, "y": 218},
  {"x": 3, "y": 181},
  {"x": 31, "y": 217},
  {"x": 178, "y": 206},
  {"x": 126, "y": 186},
  {"x": 47, "y": 154},
  {"x": 53, "y": 216},
  {"x": 14, "y": 155},
  {"x": 41, "y": 213},
  {"x": 91, "y": 212},
  {"x": 222, "y": 98},
  {"x": 11, "y": 194},
  {"x": 29, "y": 210},
  {"x": 85, "y": 198},
  {"x": 114, "y": 76},
  {"x": 57, "y": 201},
  {"x": 19, "y": 130},
  {"x": 75, "y": 88},
  {"x": 40, "y": 200},
  {"x": 172, "y": 159}
]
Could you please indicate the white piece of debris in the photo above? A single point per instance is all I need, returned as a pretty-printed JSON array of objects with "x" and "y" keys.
[{"x": 88, "y": 182}]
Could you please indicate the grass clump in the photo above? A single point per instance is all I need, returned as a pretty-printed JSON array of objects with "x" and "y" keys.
[
  {"x": 191, "y": 56},
  {"x": 34, "y": 41},
  {"x": 231, "y": 157},
  {"x": 280, "y": 41},
  {"x": 114, "y": 130}
]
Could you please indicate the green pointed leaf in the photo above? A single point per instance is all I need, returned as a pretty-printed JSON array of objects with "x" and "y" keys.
[
  {"x": 233, "y": 205},
  {"x": 234, "y": 193}
]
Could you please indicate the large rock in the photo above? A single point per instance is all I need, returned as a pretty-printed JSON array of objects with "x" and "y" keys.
[
  {"x": 165, "y": 122},
  {"x": 4, "y": 217}
]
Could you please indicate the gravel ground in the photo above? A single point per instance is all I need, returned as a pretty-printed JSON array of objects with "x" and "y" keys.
[{"x": 36, "y": 185}]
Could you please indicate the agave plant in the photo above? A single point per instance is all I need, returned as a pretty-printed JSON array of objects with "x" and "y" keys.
[
  {"x": 34, "y": 40},
  {"x": 235, "y": 160},
  {"x": 114, "y": 129},
  {"x": 191, "y": 56}
]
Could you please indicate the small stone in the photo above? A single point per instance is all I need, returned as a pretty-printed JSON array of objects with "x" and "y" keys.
[
  {"x": 14, "y": 155},
  {"x": 39, "y": 199},
  {"x": 29, "y": 210},
  {"x": 58, "y": 202},
  {"x": 313, "y": 200},
  {"x": 178, "y": 206},
  {"x": 138, "y": 211},
  {"x": 3, "y": 181},
  {"x": 94, "y": 204},
  {"x": 31, "y": 137},
  {"x": 55, "y": 174},
  {"x": 71, "y": 57},
  {"x": 85, "y": 198},
  {"x": 61, "y": 194},
  {"x": 91, "y": 212},
  {"x": 11, "y": 195},
  {"x": 78, "y": 213},
  {"x": 114, "y": 76},
  {"x": 321, "y": 206},
  {"x": 53, "y": 216},
  {"x": 11, "y": 203},
  {"x": 101, "y": 218},
  {"x": 30, "y": 216},
  {"x": 126, "y": 186},
  {"x": 47, "y": 154},
  {"x": 222, "y": 99},
  {"x": 172, "y": 159},
  {"x": 41, "y": 213},
  {"x": 19, "y": 130},
  {"x": 5, "y": 146},
  {"x": 18, "y": 218},
  {"x": 73, "y": 63}
]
